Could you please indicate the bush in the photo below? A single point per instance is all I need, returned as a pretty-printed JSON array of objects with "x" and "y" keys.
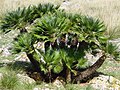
[
  {"x": 58, "y": 42},
  {"x": 20, "y": 18}
]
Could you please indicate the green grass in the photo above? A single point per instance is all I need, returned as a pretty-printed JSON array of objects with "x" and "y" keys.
[
  {"x": 78, "y": 87},
  {"x": 8, "y": 81},
  {"x": 25, "y": 86}
]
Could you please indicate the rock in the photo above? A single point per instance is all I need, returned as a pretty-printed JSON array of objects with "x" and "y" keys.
[
  {"x": 36, "y": 89},
  {"x": 65, "y": 5},
  {"x": 1, "y": 75},
  {"x": 44, "y": 87},
  {"x": 5, "y": 62},
  {"x": 58, "y": 84},
  {"x": 6, "y": 52},
  {"x": 93, "y": 58},
  {"x": 0, "y": 37},
  {"x": 1, "y": 50},
  {"x": 113, "y": 80},
  {"x": 22, "y": 57},
  {"x": 103, "y": 82},
  {"x": 25, "y": 79}
]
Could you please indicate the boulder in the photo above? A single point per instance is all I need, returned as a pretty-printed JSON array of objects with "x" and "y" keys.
[
  {"x": 103, "y": 82},
  {"x": 65, "y": 5},
  {"x": 1, "y": 50},
  {"x": 22, "y": 57},
  {"x": 6, "y": 52},
  {"x": 1, "y": 75},
  {"x": 25, "y": 79},
  {"x": 58, "y": 84},
  {"x": 44, "y": 87}
]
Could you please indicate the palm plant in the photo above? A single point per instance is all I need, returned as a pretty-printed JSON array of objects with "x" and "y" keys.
[
  {"x": 65, "y": 38},
  {"x": 14, "y": 19},
  {"x": 25, "y": 43},
  {"x": 112, "y": 50},
  {"x": 20, "y": 18}
]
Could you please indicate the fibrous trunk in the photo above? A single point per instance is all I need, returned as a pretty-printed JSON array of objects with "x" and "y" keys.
[
  {"x": 34, "y": 62},
  {"x": 86, "y": 73}
]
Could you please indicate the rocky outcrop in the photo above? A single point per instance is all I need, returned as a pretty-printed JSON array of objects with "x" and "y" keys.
[
  {"x": 1, "y": 75},
  {"x": 5, "y": 51},
  {"x": 65, "y": 5},
  {"x": 103, "y": 82},
  {"x": 22, "y": 57},
  {"x": 56, "y": 85},
  {"x": 25, "y": 79}
]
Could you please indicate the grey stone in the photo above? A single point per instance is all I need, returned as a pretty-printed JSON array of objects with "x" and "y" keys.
[
  {"x": 22, "y": 57},
  {"x": 1, "y": 50},
  {"x": 36, "y": 89},
  {"x": 58, "y": 84},
  {"x": 1, "y": 75},
  {"x": 6, "y": 52},
  {"x": 65, "y": 5},
  {"x": 25, "y": 79},
  {"x": 103, "y": 82}
]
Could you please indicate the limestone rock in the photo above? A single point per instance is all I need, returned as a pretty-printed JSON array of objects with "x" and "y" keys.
[
  {"x": 5, "y": 62},
  {"x": 1, "y": 75},
  {"x": 103, "y": 82},
  {"x": 91, "y": 58},
  {"x": 1, "y": 50},
  {"x": 6, "y": 52},
  {"x": 58, "y": 84},
  {"x": 65, "y": 5},
  {"x": 44, "y": 87},
  {"x": 25, "y": 79},
  {"x": 0, "y": 37},
  {"x": 22, "y": 57},
  {"x": 36, "y": 89}
]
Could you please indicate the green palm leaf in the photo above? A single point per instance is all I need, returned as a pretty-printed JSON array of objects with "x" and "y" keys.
[{"x": 24, "y": 43}]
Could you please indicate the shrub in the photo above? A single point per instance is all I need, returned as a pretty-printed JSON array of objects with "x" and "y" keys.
[
  {"x": 20, "y": 18},
  {"x": 58, "y": 42}
]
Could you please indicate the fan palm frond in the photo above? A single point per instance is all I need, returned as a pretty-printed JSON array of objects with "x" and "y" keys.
[
  {"x": 23, "y": 16},
  {"x": 24, "y": 43}
]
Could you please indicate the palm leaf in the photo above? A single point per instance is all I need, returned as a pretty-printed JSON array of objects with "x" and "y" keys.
[{"x": 24, "y": 43}]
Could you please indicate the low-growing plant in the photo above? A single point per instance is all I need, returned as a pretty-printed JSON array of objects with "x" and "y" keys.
[
  {"x": 58, "y": 42},
  {"x": 112, "y": 50},
  {"x": 20, "y": 18}
]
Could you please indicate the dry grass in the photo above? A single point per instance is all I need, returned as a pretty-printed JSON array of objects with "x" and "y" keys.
[
  {"x": 8, "y": 5},
  {"x": 107, "y": 10}
]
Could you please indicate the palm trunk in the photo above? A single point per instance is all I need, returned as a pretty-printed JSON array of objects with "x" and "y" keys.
[
  {"x": 34, "y": 62},
  {"x": 91, "y": 69},
  {"x": 68, "y": 75}
]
